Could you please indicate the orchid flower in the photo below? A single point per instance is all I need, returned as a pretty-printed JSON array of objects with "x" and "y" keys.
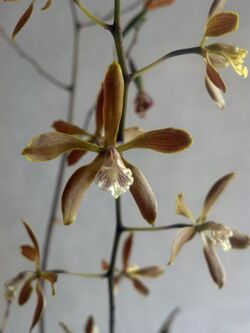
[
  {"x": 32, "y": 253},
  {"x": 212, "y": 233},
  {"x": 132, "y": 272},
  {"x": 220, "y": 55},
  {"x": 109, "y": 169}
]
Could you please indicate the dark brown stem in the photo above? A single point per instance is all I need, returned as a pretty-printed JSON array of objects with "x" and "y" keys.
[
  {"x": 62, "y": 166},
  {"x": 154, "y": 229},
  {"x": 111, "y": 272}
]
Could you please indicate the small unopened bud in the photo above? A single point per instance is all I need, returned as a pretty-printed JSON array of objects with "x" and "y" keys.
[{"x": 143, "y": 102}]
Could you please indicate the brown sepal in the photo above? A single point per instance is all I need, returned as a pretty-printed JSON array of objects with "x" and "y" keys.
[
  {"x": 74, "y": 156},
  {"x": 139, "y": 286},
  {"x": 23, "y": 20},
  {"x": 25, "y": 292},
  {"x": 29, "y": 252},
  {"x": 40, "y": 306},
  {"x": 127, "y": 247}
]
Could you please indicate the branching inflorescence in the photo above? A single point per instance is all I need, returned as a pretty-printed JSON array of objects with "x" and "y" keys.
[{"x": 110, "y": 170}]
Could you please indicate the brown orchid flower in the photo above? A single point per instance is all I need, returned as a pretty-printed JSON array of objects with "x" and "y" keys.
[
  {"x": 109, "y": 169},
  {"x": 133, "y": 272},
  {"x": 27, "y": 278},
  {"x": 220, "y": 55},
  {"x": 98, "y": 136},
  {"x": 212, "y": 233}
]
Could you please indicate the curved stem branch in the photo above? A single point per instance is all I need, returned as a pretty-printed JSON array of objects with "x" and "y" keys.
[
  {"x": 83, "y": 275},
  {"x": 33, "y": 62},
  {"x": 109, "y": 15},
  {"x": 91, "y": 16},
  {"x": 153, "y": 229},
  {"x": 191, "y": 50}
]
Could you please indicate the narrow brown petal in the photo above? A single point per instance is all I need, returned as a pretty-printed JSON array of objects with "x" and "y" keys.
[
  {"x": 75, "y": 188},
  {"x": 99, "y": 118},
  {"x": 182, "y": 208},
  {"x": 215, "y": 77},
  {"x": 217, "y": 7},
  {"x": 126, "y": 252},
  {"x": 48, "y": 146},
  {"x": 214, "y": 93},
  {"x": 221, "y": 24},
  {"x": 168, "y": 140},
  {"x": 90, "y": 325},
  {"x": 68, "y": 128},
  {"x": 139, "y": 286},
  {"x": 155, "y": 4},
  {"x": 143, "y": 195},
  {"x": 214, "y": 193},
  {"x": 52, "y": 278},
  {"x": 29, "y": 252},
  {"x": 23, "y": 20},
  {"x": 151, "y": 271},
  {"x": 40, "y": 306},
  {"x": 105, "y": 265},
  {"x": 33, "y": 238},
  {"x": 214, "y": 264},
  {"x": 239, "y": 240},
  {"x": 75, "y": 155},
  {"x": 113, "y": 90},
  {"x": 25, "y": 292},
  {"x": 47, "y": 5},
  {"x": 182, "y": 236}
]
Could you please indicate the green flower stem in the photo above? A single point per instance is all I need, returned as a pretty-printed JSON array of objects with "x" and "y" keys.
[
  {"x": 153, "y": 229},
  {"x": 91, "y": 16},
  {"x": 83, "y": 275},
  {"x": 191, "y": 50},
  {"x": 117, "y": 35}
]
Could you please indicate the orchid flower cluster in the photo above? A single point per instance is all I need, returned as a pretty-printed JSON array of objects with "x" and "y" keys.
[{"x": 111, "y": 171}]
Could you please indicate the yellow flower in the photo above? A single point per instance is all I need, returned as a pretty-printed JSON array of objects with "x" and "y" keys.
[
  {"x": 219, "y": 55},
  {"x": 212, "y": 233},
  {"x": 109, "y": 169}
]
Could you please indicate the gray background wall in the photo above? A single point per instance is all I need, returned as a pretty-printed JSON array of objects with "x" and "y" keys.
[{"x": 29, "y": 104}]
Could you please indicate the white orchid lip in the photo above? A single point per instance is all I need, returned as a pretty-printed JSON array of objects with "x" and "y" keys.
[
  {"x": 222, "y": 237},
  {"x": 113, "y": 175},
  {"x": 223, "y": 55}
]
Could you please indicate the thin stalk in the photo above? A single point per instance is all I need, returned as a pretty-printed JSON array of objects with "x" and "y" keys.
[
  {"x": 109, "y": 15},
  {"x": 191, "y": 50},
  {"x": 83, "y": 275},
  {"x": 6, "y": 315},
  {"x": 153, "y": 229},
  {"x": 62, "y": 166},
  {"x": 91, "y": 16},
  {"x": 117, "y": 35},
  {"x": 111, "y": 272},
  {"x": 33, "y": 62}
]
